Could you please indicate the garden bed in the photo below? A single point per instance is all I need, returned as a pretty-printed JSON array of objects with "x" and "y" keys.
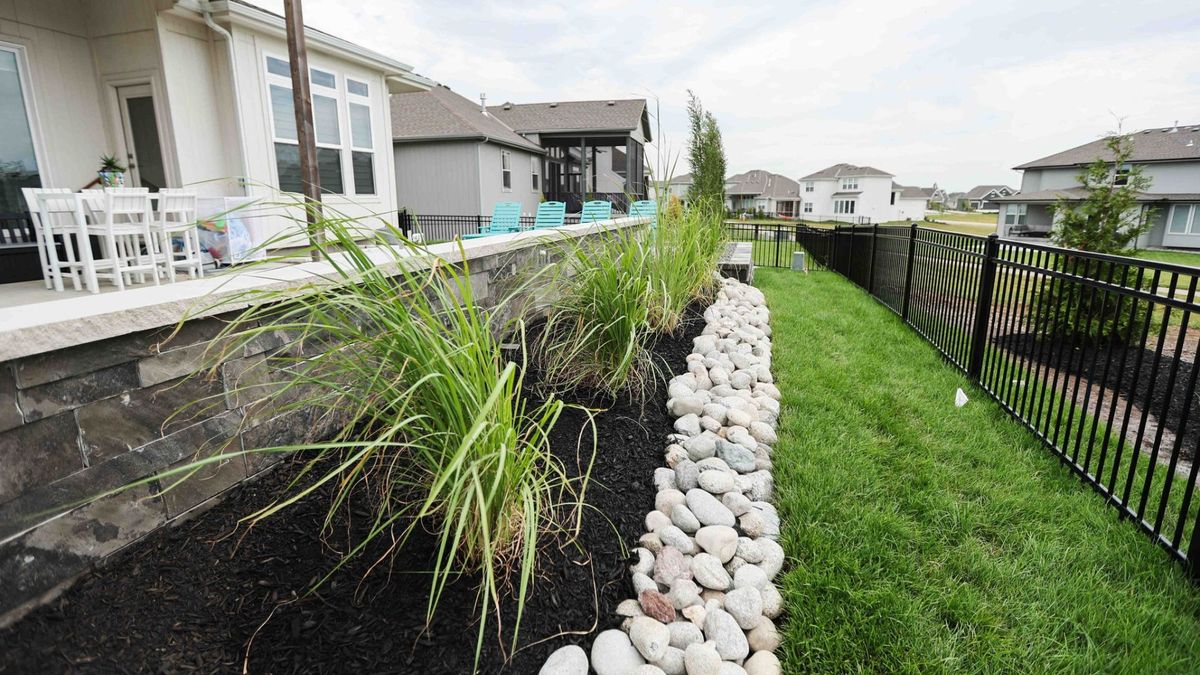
[{"x": 210, "y": 596}]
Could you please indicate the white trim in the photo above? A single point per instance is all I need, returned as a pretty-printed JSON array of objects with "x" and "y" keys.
[
  {"x": 506, "y": 159},
  {"x": 20, "y": 50}
]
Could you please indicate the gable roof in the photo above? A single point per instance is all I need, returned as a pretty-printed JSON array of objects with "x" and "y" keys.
[
  {"x": 442, "y": 115},
  {"x": 1149, "y": 145},
  {"x": 910, "y": 192},
  {"x": 843, "y": 171},
  {"x": 762, "y": 183},
  {"x": 684, "y": 179},
  {"x": 585, "y": 116},
  {"x": 981, "y": 191}
]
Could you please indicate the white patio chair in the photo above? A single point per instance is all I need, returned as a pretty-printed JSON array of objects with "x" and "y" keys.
[
  {"x": 177, "y": 217},
  {"x": 123, "y": 221},
  {"x": 55, "y": 211}
]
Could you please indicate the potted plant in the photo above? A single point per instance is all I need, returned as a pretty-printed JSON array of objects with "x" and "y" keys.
[{"x": 112, "y": 172}]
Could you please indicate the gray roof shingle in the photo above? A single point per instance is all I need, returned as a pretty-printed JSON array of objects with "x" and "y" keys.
[
  {"x": 762, "y": 183},
  {"x": 442, "y": 115},
  {"x": 980, "y": 191},
  {"x": 1149, "y": 145},
  {"x": 845, "y": 171},
  {"x": 910, "y": 192},
  {"x": 588, "y": 116}
]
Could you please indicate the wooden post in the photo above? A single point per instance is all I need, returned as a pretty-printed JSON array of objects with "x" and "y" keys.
[{"x": 293, "y": 17}]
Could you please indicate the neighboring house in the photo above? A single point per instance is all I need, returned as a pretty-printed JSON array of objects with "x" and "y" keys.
[
  {"x": 956, "y": 200},
  {"x": 188, "y": 97},
  {"x": 453, "y": 157},
  {"x": 983, "y": 197},
  {"x": 938, "y": 197},
  {"x": 677, "y": 187},
  {"x": 1169, "y": 157},
  {"x": 759, "y": 191},
  {"x": 911, "y": 203},
  {"x": 850, "y": 193},
  {"x": 594, "y": 149}
]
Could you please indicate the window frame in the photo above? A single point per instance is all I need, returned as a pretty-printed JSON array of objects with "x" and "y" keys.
[
  {"x": 506, "y": 170},
  {"x": 844, "y": 207},
  {"x": 1191, "y": 222},
  {"x": 1016, "y": 214},
  {"x": 807, "y": 207},
  {"x": 343, "y": 99},
  {"x": 850, "y": 183},
  {"x": 21, "y": 57},
  {"x": 535, "y": 172},
  {"x": 809, "y": 187}
]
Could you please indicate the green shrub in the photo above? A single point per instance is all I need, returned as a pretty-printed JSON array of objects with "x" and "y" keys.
[{"x": 687, "y": 247}]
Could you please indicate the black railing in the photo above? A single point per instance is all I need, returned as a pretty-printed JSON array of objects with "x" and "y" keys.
[
  {"x": 445, "y": 228},
  {"x": 1094, "y": 354}
]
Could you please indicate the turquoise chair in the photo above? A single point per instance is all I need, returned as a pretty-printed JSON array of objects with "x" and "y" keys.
[
  {"x": 506, "y": 219},
  {"x": 645, "y": 207},
  {"x": 596, "y": 210},
  {"x": 550, "y": 214}
]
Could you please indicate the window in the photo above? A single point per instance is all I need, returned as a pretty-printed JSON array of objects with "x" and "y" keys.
[
  {"x": 1184, "y": 219},
  {"x": 341, "y": 125},
  {"x": 850, "y": 183},
  {"x": 506, "y": 170},
  {"x": 1122, "y": 175},
  {"x": 1014, "y": 214},
  {"x": 17, "y": 149},
  {"x": 808, "y": 186},
  {"x": 843, "y": 206},
  {"x": 893, "y": 198},
  {"x": 808, "y": 207},
  {"x": 535, "y": 172}
]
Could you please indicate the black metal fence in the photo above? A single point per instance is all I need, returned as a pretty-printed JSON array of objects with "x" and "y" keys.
[
  {"x": 446, "y": 228},
  {"x": 1094, "y": 354}
]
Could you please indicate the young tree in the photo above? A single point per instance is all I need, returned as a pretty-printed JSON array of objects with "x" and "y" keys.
[
  {"x": 1106, "y": 220},
  {"x": 707, "y": 155}
]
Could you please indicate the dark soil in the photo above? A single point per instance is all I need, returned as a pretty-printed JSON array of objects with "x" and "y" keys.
[
  {"x": 195, "y": 598},
  {"x": 1134, "y": 382}
]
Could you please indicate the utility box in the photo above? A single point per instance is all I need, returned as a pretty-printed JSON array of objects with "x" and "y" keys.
[{"x": 799, "y": 262}]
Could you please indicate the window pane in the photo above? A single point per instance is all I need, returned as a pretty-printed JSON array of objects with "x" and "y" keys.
[
  {"x": 287, "y": 165},
  {"x": 325, "y": 119},
  {"x": 364, "y": 173},
  {"x": 18, "y": 164},
  {"x": 329, "y": 170},
  {"x": 1179, "y": 219},
  {"x": 283, "y": 112},
  {"x": 278, "y": 67},
  {"x": 357, "y": 88},
  {"x": 322, "y": 78},
  {"x": 360, "y": 126},
  {"x": 1195, "y": 229}
]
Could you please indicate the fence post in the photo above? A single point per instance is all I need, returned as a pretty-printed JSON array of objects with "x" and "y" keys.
[
  {"x": 850, "y": 256},
  {"x": 1193, "y": 552},
  {"x": 983, "y": 306},
  {"x": 871, "y": 270},
  {"x": 908, "y": 272}
]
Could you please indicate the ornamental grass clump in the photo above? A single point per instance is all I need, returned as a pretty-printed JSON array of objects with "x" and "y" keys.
[
  {"x": 427, "y": 419},
  {"x": 687, "y": 247},
  {"x": 597, "y": 335}
]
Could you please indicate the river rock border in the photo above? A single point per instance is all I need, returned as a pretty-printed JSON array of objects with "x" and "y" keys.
[{"x": 706, "y": 601}]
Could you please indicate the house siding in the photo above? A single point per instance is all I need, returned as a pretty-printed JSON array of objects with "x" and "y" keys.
[
  {"x": 491, "y": 182},
  {"x": 438, "y": 178}
]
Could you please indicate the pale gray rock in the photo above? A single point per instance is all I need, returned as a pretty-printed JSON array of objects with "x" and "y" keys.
[
  {"x": 730, "y": 668},
  {"x": 772, "y": 557},
  {"x": 650, "y": 542},
  {"x": 629, "y": 608},
  {"x": 673, "y": 536},
  {"x": 688, "y": 425},
  {"x": 684, "y": 633},
  {"x": 683, "y": 518},
  {"x": 739, "y": 417},
  {"x": 772, "y": 601},
  {"x": 656, "y": 520},
  {"x": 665, "y": 500},
  {"x": 647, "y": 669},
  {"x": 672, "y": 663},
  {"x": 687, "y": 475},
  {"x": 750, "y": 576},
  {"x": 719, "y": 376},
  {"x": 642, "y": 582},
  {"x": 751, "y": 524},
  {"x": 745, "y": 606},
  {"x": 741, "y": 436},
  {"x": 702, "y": 659},
  {"x": 671, "y": 565},
  {"x": 699, "y": 447},
  {"x": 569, "y": 660},
  {"x": 649, "y": 637},
  {"x": 738, "y": 457},
  {"x": 707, "y": 509},
  {"x": 645, "y": 561},
  {"x": 664, "y": 478},
  {"x": 740, "y": 379},
  {"x": 686, "y": 405},
  {"x": 718, "y": 540},
  {"x": 736, "y": 502},
  {"x": 764, "y": 637},
  {"x": 750, "y": 550},
  {"x": 709, "y": 424},
  {"x": 716, "y": 411},
  {"x": 716, "y": 482},
  {"x": 723, "y": 630},
  {"x": 709, "y": 573},
  {"x": 763, "y": 663},
  {"x": 763, "y": 433},
  {"x": 759, "y": 485},
  {"x": 684, "y": 592},
  {"x": 614, "y": 654}
]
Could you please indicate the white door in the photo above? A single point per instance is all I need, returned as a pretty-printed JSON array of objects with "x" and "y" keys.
[{"x": 139, "y": 127}]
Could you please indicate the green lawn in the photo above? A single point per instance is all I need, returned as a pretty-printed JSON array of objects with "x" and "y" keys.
[
  {"x": 926, "y": 538},
  {"x": 1176, "y": 257},
  {"x": 965, "y": 216}
]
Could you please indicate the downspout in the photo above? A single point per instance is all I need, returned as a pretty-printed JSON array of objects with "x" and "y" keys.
[{"x": 237, "y": 108}]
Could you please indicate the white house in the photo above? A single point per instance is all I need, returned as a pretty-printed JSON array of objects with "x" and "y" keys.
[
  {"x": 860, "y": 194},
  {"x": 762, "y": 192},
  {"x": 188, "y": 93},
  {"x": 1169, "y": 158}
]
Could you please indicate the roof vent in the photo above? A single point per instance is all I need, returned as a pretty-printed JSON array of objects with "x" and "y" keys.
[
  {"x": 1191, "y": 143},
  {"x": 483, "y": 103},
  {"x": 612, "y": 103},
  {"x": 554, "y": 105},
  {"x": 1174, "y": 129},
  {"x": 507, "y": 105}
]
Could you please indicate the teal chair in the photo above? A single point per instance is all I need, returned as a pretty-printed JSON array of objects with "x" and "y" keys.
[
  {"x": 506, "y": 219},
  {"x": 596, "y": 210},
  {"x": 550, "y": 214},
  {"x": 645, "y": 208}
]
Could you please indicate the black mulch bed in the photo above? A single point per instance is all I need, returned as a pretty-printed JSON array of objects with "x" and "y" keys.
[
  {"x": 190, "y": 599},
  {"x": 1133, "y": 383}
]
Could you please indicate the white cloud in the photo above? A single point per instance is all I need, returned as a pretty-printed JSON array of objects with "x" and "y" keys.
[{"x": 954, "y": 92}]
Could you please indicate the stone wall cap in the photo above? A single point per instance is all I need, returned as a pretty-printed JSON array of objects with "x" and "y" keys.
[{"x": 74, "y": 318}]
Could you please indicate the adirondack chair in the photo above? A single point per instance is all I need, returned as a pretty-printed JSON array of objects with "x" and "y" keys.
[
  {"x": 596, "y": 210},
  {"x": 550, "y": 214},
  {"x": 645, "y": 207},
  {"x": 506, "y": 219}
]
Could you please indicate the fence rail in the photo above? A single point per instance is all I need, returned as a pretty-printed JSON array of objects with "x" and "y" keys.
[
  {"x": 445, "y": 228},
  {"x": 1094, "y": 354}
]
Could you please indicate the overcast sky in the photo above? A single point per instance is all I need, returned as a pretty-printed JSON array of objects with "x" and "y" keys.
[{"x": 945, "y": 91}]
